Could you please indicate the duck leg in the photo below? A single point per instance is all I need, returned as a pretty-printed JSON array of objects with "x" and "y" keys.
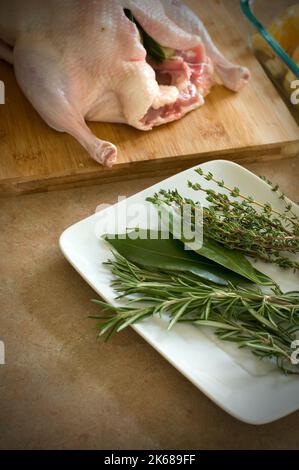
[{"x": 49, "y": 87}]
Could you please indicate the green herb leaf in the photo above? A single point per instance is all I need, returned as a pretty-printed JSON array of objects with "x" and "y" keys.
[
  {"x": 230, "y": 259},
  {"x": 153, "y": 48},
  {"x": 169, "y": 255},
  {"x": 233, "y": 260}
]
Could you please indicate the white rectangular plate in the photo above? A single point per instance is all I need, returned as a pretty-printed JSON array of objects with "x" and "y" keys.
[{"x": 247, "y": 388}]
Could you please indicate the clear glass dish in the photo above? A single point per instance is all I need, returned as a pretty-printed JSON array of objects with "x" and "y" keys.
[{"x": 275, "y": 42}]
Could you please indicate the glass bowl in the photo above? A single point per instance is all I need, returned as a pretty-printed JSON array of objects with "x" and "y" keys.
[{"x": 275, "y": 42}]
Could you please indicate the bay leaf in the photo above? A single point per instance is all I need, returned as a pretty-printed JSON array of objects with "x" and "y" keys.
[
  {"x": 169, "y": 255},
  {"x": 232, "y": 260}
]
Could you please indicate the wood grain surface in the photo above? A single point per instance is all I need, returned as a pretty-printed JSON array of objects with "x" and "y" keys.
[{"x": 253, "y": 125}]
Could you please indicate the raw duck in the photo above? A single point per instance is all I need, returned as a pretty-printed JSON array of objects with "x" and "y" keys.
[{"x": 79, "y": 61}]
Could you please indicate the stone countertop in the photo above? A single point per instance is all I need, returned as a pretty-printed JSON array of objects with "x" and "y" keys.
[{"x": 60, "y": 386}]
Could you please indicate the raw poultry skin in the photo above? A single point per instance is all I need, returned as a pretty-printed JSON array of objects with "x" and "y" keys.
[{"x": 78, "y": 60}]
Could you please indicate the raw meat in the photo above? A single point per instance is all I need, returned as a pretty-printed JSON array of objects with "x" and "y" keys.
[{"x": 81, "y": 60}]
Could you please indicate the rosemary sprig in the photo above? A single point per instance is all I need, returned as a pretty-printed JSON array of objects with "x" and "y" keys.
[
  {"x": 242, "y": 223},
  {"x": 265, "y": 323}
]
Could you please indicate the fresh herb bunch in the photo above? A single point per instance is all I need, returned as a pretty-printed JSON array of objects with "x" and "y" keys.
[
  {"x": 264, "y": 323},
  {"x": 241, "y": 223}
]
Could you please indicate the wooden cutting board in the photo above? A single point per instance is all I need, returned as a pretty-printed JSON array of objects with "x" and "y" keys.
[{"x": 251, "y": 125}]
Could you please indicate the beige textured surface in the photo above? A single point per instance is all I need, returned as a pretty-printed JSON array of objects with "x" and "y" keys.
[{"x": 61, "y": 388}]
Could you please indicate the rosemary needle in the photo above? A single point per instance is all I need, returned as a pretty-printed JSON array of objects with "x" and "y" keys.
[{"x": 265, "y": 323}]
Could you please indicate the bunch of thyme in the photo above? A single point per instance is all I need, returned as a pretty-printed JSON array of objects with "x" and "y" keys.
[
  {"x": 241, "y": 223},
  {"x": 265, "y": 323}
]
